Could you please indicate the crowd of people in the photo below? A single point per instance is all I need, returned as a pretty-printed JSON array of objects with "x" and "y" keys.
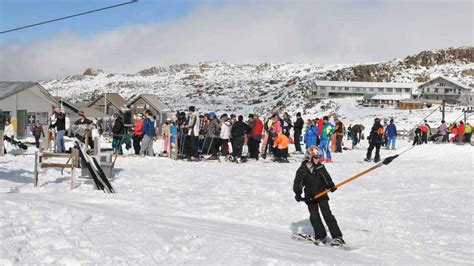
[{"x": 236, "y": 138}]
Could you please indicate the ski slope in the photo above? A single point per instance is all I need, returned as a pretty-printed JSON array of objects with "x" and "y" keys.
[{"x": 417, "y": 210}]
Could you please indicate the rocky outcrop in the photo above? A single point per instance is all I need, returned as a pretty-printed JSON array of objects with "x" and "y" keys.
[{"x": 92, "y": 72}]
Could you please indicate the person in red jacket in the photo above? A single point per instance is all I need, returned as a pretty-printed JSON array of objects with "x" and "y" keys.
[
  {"x": 424, "y": 133},
  {"x": 320, "y": 123},
  {"x": 454, "y": 132},
  {"x": 138, "y": 133},
  {"x": 255, "y": 136},
  {"x": 460, "y": 136}
]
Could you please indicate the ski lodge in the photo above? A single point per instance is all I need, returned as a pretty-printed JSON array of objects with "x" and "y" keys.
[
  {"x": 25, "y": 103},
  {"x": 435, "y": 90}
]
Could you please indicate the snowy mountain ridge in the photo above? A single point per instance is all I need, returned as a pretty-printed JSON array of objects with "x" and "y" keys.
[{"x": 220, "y": 86}]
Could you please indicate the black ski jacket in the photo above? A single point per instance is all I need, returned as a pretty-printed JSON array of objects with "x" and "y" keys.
[
  {"x": 375, "y": 137},
  {"x": 312, "y": 183},
  {"x": 240, "y": 129},
  {"x": 299, "y": 125}
]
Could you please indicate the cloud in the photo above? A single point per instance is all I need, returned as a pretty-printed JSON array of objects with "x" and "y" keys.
[{"x": 253, "y": 32}]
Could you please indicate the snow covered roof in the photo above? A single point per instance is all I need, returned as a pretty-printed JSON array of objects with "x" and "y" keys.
[
  {"x": 151, "y": 100},
  {"x": 448, "y": 80},
  {"x": 10, "y": 88},
  {"x": 115, "y": 99},
  {"x": 358, "y": 84},
  {"x": 91, "y": 112}
]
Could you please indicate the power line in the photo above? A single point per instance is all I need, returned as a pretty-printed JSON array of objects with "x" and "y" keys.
[{"x": 71, "y": 16}]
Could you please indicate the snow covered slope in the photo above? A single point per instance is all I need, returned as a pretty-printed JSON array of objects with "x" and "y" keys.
[
  {"x": 417, "y": 210},
  {"x": 218, "y": 86}
]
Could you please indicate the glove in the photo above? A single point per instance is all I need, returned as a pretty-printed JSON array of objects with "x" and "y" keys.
[
  {"x": 334, "y": 188},
  {"x": 298, "y": 197}
]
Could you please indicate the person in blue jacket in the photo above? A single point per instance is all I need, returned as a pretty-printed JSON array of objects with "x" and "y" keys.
[
  {"x": 391, "y": 133},
  {"x": 148, "y": 135},
  {"x": 311, "y": 134}
]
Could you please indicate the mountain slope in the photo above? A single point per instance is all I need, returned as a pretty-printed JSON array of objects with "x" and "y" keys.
[{"x": 219, "y": 86}]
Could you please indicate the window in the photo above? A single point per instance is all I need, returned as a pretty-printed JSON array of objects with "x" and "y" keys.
[
  {"x": 372, "y": 89},
  {"x": 398, "y": 90},
  {"x": 346, "y": 88},
  {"x": 389, "y": 90},
  {"x": 339, "y": 89},
  {"x": 407, "y": 90},
  {"x": 333, "y": 88},
  {"x": 380, "y": 89}
]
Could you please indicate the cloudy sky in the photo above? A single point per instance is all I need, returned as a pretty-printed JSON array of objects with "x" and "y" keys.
[{"x": 159, "y": 33}]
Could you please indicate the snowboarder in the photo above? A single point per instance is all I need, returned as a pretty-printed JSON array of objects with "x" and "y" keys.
[
  {"x": 313, "y": 178},
  {"x": 375, "y": 141}
]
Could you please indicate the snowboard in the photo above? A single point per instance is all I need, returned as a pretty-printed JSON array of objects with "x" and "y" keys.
[
  {"x": 307, "y": 239},
  {"x": 99, "y": 177}
]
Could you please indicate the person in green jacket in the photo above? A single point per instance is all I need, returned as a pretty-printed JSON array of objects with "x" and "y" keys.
[{"x": 324, "y": 144}]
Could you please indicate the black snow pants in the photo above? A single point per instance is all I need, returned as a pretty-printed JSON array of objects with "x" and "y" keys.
[
  {"x": 316, "y": 222},
  {"x": 373, "y": 145}
]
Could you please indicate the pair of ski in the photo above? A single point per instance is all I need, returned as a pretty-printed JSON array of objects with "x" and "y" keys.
[
  {"x": 96, "y": 172},
  {"x": 310, "y": 239}
]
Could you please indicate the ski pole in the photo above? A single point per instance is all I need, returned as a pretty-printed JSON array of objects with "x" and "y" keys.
[{"x": 384, "y": 162}]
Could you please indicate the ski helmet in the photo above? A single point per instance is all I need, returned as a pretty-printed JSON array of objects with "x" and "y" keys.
[{"x": 312, "y": 151}]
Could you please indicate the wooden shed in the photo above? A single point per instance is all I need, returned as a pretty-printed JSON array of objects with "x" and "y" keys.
[{"x": 410, "y": 104}]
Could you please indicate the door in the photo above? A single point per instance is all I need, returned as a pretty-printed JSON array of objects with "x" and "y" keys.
[{"x": 21, "y": 124}]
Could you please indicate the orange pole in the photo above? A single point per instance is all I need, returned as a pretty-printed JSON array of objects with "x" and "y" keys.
[{"x": 349, "y": 180}]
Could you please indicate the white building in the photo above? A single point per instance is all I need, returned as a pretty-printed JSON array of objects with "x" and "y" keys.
[
  {"x": 442, "y": 88},
  {"x": 334, "y": 89}
]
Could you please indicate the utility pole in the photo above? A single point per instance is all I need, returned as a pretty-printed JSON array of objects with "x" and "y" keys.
[{"x": 443, "y": 106}]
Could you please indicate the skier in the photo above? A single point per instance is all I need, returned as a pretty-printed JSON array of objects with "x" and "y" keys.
[
  {"x": 191, "y": 141},
  {"x": 298, "y": 129},
  {"x": 9, "y": 130},
  {"x": 37, "y": 131},
  {"x": 324, "y": 145},
  {"x": 356, "y": 134},
  {"x": 417, "y": 136},
  {"x": 313, "y": 178},
  {"x": 58, "y": 121},
  {"x": 225, "y": 135},
  {"x": 148, "y": 135},
  {"x": 286, "y": 124},
  {"x": 280, "y": 147},
  {"x": 375, "y": 141},
  {"x": 267, "y": 141},
  {"x": 443, "y": 131},
  {"x": 82, "y": 129},
  {"x": 238, "y": 132},
  {"x": 461, "y": 129},
  {"x": 118, "y": 130},
  {"x": 339, "y": 131},
  {"x": 424, "y": 132},
  {"x": 212, "y": 136},
  {"x": 310, "y": 137},
  {"x": 467, "y": 133},
  {"x": 255, "y": 137},
  {"x": 391, "y": 133},
  {"x": 165, "y": 132},
  {"x": 138, "y": 134}
]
